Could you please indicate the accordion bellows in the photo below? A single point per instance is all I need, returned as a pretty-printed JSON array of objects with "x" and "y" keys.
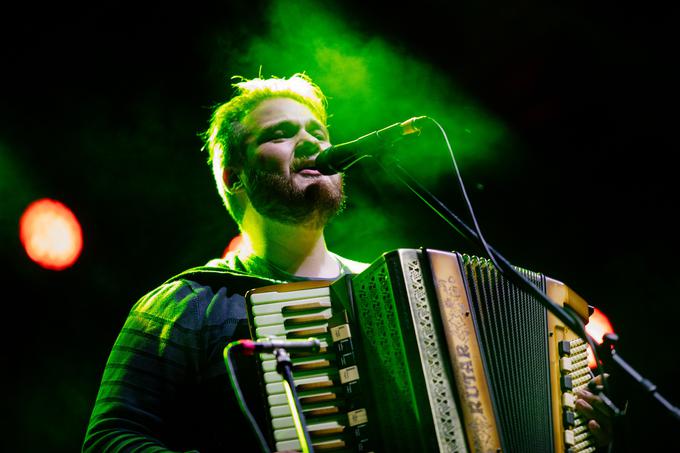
[{"x": 427, "y": 351}]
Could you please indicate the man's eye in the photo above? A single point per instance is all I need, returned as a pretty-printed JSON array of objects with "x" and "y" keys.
[{"x": 275, "y": 134}]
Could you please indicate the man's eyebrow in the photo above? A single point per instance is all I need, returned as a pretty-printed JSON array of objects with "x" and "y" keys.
[
  {"x": 313, "y": 124},
  {"x": 262, "y": 132},
  {"x": 282, "y": 123},
  {"x": 316, "y": 124}
]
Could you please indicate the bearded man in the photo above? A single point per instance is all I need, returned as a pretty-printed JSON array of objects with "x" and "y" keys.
[{"x": 165, "y": 386}]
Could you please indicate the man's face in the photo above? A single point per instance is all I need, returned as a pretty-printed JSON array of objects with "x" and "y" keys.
[{"x": 283, "y": 139}]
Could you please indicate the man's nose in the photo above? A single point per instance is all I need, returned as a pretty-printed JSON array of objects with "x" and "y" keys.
[{"x": 307, "y": 145}]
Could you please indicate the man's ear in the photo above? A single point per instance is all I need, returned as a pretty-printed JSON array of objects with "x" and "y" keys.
[{"x": 231, "y": 179}]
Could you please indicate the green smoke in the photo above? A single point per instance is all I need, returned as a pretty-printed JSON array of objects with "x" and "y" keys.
[{"x": 371, "y": 83}]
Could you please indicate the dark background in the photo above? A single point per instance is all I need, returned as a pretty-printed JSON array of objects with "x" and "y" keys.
[{"x": 101, "y": 106}]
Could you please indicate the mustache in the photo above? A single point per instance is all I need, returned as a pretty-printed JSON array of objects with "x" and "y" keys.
[{"x": 303, "y": 164}]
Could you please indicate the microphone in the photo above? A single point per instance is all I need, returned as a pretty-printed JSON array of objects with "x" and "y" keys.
[
  {"x": 339, "y": 158},
  {"x": 250, "y": 347}
]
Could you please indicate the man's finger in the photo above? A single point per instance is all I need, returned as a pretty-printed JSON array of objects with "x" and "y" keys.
[
  {"x": 600, "y": 433},
  {"x": 599, "y": 422},
  {"x": 594, "y": 401},
  {"x": 598, "y": 379}
]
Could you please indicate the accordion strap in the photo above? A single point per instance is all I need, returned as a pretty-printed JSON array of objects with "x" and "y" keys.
[{"x": 217, "y": 277}]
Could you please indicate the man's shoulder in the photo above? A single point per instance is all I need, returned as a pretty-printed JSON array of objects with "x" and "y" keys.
[
  {"x": 210, "y": 275},
  {"x": 217, "y": 274},
  {"x": 193, "y": 293}
]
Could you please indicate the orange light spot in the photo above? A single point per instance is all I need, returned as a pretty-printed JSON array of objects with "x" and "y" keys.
[
  {"x": 598, "y": 325},
  {"x": 50, "y": 234},
  {"x": 234, "y": 245}
]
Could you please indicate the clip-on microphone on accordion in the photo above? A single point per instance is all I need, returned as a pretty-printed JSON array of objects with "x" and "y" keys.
[
  {"x": 250, "y": 347},
  {"x": 284, "y": 367}
]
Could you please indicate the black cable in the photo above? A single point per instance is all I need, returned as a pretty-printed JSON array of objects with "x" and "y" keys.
[
  {"x": 478, "y": 230},
  {"x": 284, "y": 368},
  {"x": 500, "y": 263},
  {"x": 239, "y": 396},
  {"x": 508, "y": 268}
]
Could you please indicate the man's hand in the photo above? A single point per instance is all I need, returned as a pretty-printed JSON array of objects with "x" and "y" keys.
[{"x": 600, "y": 417}]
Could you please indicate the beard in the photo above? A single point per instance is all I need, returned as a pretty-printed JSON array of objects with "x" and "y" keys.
[{"x": 276, "y": 197}]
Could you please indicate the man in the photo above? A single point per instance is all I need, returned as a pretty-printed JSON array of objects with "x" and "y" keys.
[{"x": 165, "y": 386}]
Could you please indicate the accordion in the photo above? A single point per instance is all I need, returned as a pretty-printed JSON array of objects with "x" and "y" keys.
[{"x": 427, "y": 351}]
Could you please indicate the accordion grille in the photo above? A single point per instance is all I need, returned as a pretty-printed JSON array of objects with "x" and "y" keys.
[
  {"x": 385, "y": 345},
  {"x": 512, "y": 327},
  {"x": 410, "y": 382}
]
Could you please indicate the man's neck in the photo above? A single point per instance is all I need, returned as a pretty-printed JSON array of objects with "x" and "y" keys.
[{"x": 296, "y": 249}]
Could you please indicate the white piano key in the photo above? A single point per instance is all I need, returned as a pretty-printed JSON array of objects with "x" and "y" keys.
[
  {"x": 314, "y": 426},
  {"x": 269, "y": 362},
  {"x": 285, "y": 434},
  {"x": 321, "y": 376},
  {"x": 278, "y": 399},
  {"x": 270, "y": 331},
  {"x": 277, "y": 307},
  {"x": 283, "y": 422},
  {"x": 290, "y": 433},
  {"x": 274, "y": 296},
  {"x": 283, "y": 410},
  {"x": 275, "y": 384},
  {"x": 281, "y": 331},
  {"x": 289, "y": 445},
  {"x": 278, "y": 318},
  {"x": 279, "y": 410}
]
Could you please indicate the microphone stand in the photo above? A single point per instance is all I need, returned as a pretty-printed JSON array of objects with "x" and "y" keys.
[
  {"x": 512, "y": 274},
  {"x": 284, "y": 366}
]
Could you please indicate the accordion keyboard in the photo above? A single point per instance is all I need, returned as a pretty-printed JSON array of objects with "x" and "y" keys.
[
  {"x": 575, "y": 375},
  {"x": 327, "y": 383}
]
